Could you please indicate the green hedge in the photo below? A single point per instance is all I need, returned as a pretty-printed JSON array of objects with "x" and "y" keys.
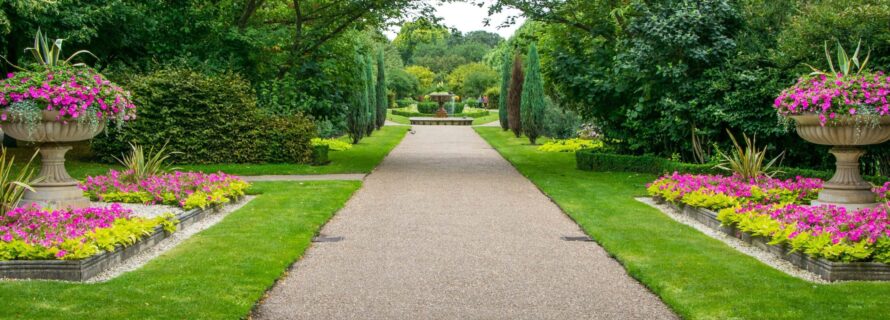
[
  {"x": 209, "y": 119},
  {"x": 476, "y": 114},
  {"x": 427, "y": 107},
  {"x": 320, "y": 155},
  {"x": 404, "y": 103},
  {"x": 591, "y": 160}
]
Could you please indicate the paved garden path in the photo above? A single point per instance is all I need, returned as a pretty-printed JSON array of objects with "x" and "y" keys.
[{"x": 445, "y": 228}]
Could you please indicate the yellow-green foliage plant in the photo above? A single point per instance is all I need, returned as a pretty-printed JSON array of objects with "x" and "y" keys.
[
  {"x": 333, "y": 144},
  {"x": 570, "y": 145}
]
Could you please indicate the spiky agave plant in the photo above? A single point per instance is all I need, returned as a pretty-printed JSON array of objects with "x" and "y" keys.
[
  {"x": 48, "y": 55},
  {"x": 14, "y": 181},
  {"x": 846, "y": 65},
  {"x": 748, "y": 161},
  {"x": 143, "y": 164}
]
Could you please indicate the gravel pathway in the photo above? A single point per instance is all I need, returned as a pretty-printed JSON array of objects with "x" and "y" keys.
[
  {"x": 445, "y": 228},
  {"x": 308, "y": 177}
]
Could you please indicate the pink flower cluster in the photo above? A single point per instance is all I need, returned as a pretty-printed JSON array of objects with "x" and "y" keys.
[
  {"x": 679, "y": 185},
  {"x": 883, "y": 192},
  {"x": 72, "y": 91},
  {"x": 36, "y": 226},
  {"x": 168, "y": 188},
  {"x": 843, "y": 226},
  {"x": 841, "y": 95}
]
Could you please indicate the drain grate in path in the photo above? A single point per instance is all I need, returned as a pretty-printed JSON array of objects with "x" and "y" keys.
[
  {"x": 321, "y": 238},
  {"x": 576, "y": 238}
]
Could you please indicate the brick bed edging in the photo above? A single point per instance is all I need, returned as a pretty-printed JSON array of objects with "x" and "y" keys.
[
  {"x": 84, "y": 269},
  {"x": 827, "y": 270}
]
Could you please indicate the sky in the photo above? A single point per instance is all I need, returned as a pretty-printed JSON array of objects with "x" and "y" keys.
[{"x": 467, "y": 17}]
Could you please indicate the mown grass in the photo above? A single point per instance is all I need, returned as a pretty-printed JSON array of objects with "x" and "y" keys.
[
  {"x": 362, "y": 158},
  {"x": 218, "y": 273},
  {"x": 697, "y": 276},
  {"x": 396, "y": 118},
  {"x": 491, "y": 117}
]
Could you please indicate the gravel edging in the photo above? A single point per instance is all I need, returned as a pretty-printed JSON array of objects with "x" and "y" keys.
[
  {"x": 737, "y": 244},
  {"x": 171, "y": 242}
]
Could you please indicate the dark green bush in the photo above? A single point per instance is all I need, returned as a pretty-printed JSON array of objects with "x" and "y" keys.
[
  {"x": 209, "y": 119},
  {"x": 472, "y": 103},
  {"x": 404, "y": 103},
  {"x": 456, "y": 108},
  {"x": 320, "y": 155},
  {"x": 593, "y": 160},
  {"x": 560, "y": 123},
  {"x": 427, "y": 107}
]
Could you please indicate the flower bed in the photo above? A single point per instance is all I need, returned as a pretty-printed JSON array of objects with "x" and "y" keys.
[
  {"x": 188, "y": 190},
  {"x": 31, "y": 233},
  {"x": 717, "y": 192},
  {"x": 778, "y": 211}
]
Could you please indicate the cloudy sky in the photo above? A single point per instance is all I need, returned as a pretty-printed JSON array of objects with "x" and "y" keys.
[{"x": 467, "y": 17}]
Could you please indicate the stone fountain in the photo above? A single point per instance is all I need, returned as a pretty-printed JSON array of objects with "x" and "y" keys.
[
  {"x": 441, "y": 98},
  {"x": 441, "y": 117}
]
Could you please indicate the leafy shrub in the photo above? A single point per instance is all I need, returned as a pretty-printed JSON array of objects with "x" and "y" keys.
[
  {"x": 494, "y": 96},
  {"x": 404, "y": 103},
  {"x": 454, "y": 107},
  {"x": 208, "y": 119},
  {"x": 320, "y": 154},
  {"x": 472, "y": 103},
  {"x": 570, "y": 145},
  {"x": 334, "y": 144},
  {"x": 428, "y": 107},
  {"x": 560, "y": 123}
]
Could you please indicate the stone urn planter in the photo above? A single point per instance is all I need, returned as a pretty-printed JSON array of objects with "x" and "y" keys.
[
  {"x": 55, "y": 188},
  {"x": 846, "y": 188},
  {"x": 441, "y": 98}
]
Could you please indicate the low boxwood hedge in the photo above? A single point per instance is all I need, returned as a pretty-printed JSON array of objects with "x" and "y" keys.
[{"x": 592, "y": 160}]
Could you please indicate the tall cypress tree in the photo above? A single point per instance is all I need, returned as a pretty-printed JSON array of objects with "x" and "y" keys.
[
  {"x": 371, "y": 107},
  {"x": 505, "y": 90},
  {"x": 515, "y": 97},
  {"x": 533, "y": 97},
  {"x": 381, "y": 90},
  {"x": 357, "y": 116}
]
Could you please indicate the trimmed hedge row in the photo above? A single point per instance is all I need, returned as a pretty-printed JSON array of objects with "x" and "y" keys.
[
  {"x": 591, "y": 160},
  {"x": 206, "y": 119},
  {"x": 477, "y": 114}
]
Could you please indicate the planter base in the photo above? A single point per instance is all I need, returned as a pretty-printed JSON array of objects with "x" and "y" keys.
[
  {"x": 55, "y": 189},
  {"x": 847, "y": 188}
]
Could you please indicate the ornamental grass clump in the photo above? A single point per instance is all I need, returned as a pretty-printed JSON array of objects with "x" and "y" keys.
[
  {"x": 747, "y": 162},
  {"x": 143, "y": 164},
  {"x": 30, "y": 232},
  {"x": 188, "y": 190},
  {"x": 14, "y": 183}
]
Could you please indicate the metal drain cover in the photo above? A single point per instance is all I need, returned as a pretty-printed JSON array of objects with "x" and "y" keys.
[
  {"x": 576, "y": 238},
  {"x": 326, "y": 239}
]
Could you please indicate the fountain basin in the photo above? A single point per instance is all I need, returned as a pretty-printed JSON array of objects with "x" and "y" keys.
[{"x": 427, "y": 121}]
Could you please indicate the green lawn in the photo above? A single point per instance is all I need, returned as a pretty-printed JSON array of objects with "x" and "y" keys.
[
  {"x": 397, "y": 119},
  {"x": 362, "y": 158},
  {"x": 697, "y": 276},
  {"x": 491, "y": 117},
  {"x": 219, "y": 273}
]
